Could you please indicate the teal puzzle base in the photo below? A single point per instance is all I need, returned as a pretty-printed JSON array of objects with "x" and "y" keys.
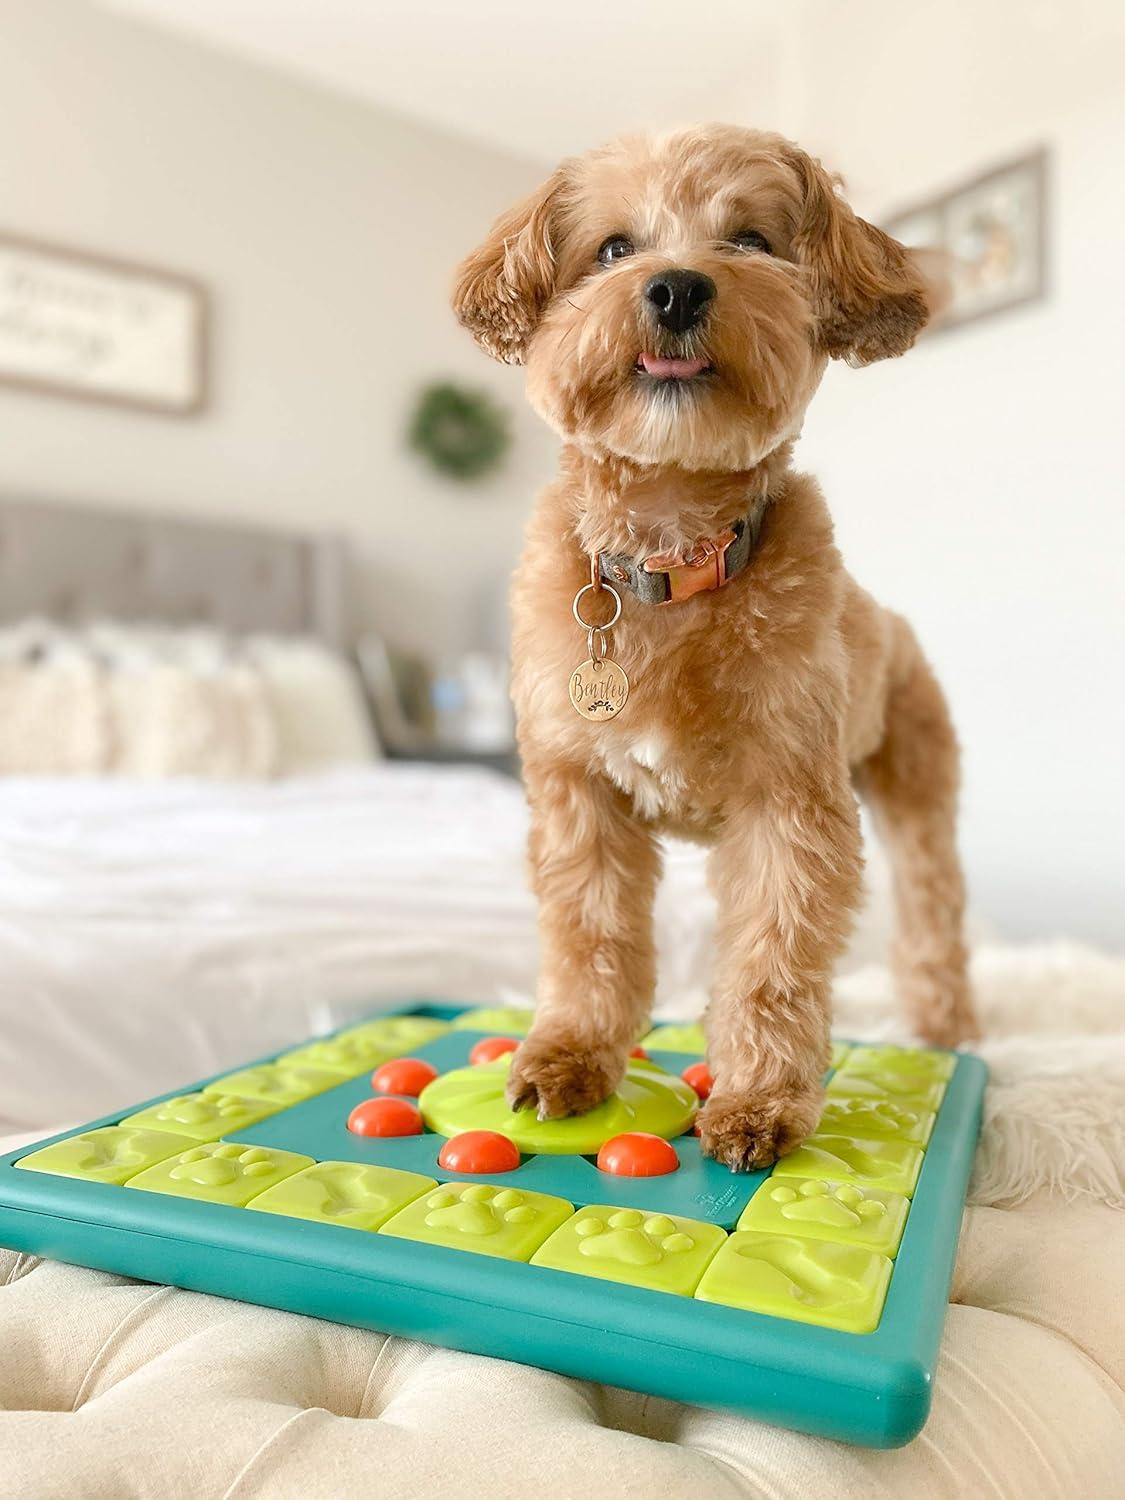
[{"x": 812, "y": 1296}]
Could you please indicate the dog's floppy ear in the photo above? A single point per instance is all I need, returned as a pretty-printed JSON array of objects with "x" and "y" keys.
[
  {"x": 504, "y": 285},
  {"x": 871, "y": 296}
]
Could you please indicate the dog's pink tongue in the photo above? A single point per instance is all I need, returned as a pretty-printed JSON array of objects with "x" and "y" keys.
[{"x": 671, "y": 369}]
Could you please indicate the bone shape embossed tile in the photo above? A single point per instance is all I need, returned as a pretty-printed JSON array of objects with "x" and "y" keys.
[
  {"x": 112, "y": 1154},
  {"x": 812, "y": 1281},
  {"x": 352, "y": 1194}
]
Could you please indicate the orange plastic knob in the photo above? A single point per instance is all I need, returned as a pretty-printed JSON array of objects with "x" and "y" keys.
[
  {"x": 403, "y": 1075},
  {"x": 385, "y": 1117},
  {"x": 479, "y": 1151},
  {"x": 638, "y": 1154}
]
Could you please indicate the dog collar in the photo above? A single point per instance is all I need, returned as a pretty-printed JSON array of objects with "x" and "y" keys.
[{"x": 671, "y": 577}]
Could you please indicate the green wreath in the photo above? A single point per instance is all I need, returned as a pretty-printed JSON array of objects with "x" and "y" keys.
[{"x": 463, "y": 433}]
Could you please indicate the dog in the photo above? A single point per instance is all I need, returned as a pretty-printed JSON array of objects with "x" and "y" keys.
[{"x": 676, "y": 301}]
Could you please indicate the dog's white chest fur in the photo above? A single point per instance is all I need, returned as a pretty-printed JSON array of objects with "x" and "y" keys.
[{"x": 641, "y": 767}]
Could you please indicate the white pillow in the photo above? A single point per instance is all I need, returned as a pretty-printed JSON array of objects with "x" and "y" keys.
[
  {"x": 52, "y": 705},
  {"x": 317, "y": 704}
]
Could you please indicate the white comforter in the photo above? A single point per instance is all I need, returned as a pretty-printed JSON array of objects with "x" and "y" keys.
[{"x": 152, "y": 933}]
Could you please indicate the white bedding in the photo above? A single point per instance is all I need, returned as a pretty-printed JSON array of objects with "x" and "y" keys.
[{"x": 153, "y": 933}]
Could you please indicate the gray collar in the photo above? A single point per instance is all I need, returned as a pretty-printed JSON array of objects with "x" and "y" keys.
[{"x": 665, "y": 578}]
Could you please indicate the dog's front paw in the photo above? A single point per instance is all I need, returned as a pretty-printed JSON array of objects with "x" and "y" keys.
[
  {"x": 748, "y": 1132},
  {"x": 555, "y": 1079}
]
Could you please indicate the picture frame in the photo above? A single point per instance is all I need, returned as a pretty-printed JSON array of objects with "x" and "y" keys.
[
  {"x": 94, "y": 327},
  {"x": 991, "y": 234}
]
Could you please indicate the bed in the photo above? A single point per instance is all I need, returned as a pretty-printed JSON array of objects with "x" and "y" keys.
[{"x": 154, "y": 931}]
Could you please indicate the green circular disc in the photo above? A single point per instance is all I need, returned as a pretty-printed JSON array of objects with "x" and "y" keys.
[{"x": 473, "y": 1099}]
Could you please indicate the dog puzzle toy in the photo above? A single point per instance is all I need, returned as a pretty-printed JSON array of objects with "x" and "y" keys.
[{"x": 377, "y": 1177}]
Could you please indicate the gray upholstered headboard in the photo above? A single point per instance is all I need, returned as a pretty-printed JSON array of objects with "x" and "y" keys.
[{"x": 77, "y": 563}]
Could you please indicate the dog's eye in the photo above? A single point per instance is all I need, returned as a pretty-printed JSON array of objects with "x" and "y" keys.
[
  {"x": 617, "y": 247},
  {"x": 751, "y": 239}
]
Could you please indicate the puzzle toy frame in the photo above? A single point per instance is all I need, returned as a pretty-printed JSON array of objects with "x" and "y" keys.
[{"x": 812, "y": 1296}]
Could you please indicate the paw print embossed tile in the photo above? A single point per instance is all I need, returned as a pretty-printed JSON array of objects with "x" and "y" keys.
[
  {"x": 878, "y": 1120},
  {"x": 897, "y": 1088},
  {"x": 277, "y": 1084},
  {"x": 657, "y": 1251},
  {"x": 865, "y": 1217},
  {"x": 112, "y": 1154},
  {"x": 892, "y": 1165},
  {"x": 203, "y": 1117},
  {"x": 346, "y": 1056},
  {"x": 812, "y": 1281},
  {"x": 221, "y": 1172},
  {"x": 504, "y": 1222},
  {"x": 393, "y": 1035},
  {"x": 344, "y": 1192}
]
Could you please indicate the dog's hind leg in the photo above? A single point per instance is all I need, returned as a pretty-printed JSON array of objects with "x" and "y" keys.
[{"x": 910, "y": 782}]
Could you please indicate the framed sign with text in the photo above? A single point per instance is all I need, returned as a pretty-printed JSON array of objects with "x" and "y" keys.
[{"x": 80, "y": 325}]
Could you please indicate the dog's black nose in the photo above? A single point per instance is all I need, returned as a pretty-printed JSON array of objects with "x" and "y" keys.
[{"x": 679, "y": 298}]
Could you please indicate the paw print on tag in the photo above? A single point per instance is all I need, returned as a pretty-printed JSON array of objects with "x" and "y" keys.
[
  {"x": 501, "y": 1221},
  {"x": 658, "y": 1251},
  {"x": 841, "y": 1212},
  {"x": 221, "y": 1172}
]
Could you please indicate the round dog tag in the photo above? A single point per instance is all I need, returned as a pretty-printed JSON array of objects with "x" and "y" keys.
[{"x": 599, "y": 689}]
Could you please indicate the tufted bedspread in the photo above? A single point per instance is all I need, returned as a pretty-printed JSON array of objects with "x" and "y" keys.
[{"x": 114, "y": 1388}]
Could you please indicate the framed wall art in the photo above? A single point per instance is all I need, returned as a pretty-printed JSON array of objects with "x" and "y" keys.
[
  {"x": 88, "y": 326},
  {"x": 992, "y": 232}
]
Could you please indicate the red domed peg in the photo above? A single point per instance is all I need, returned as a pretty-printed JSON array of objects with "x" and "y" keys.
[
  {"x": 699, "y": 1076},
  {"x": 638, "y": 1154},
  {"x": 489, "y": 1048},
  {"x": 403, "y": 1075},
  {"x": 385, "y": 1117},
  {"x": 479, "y": 1151}
]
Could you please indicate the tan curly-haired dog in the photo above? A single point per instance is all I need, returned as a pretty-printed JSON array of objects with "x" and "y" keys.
[{"x": 676, "y": 301}]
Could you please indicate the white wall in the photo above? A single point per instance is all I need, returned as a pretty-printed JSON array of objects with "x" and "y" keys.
[
  {"x": 977, "y": 483},
  {"x": 327, "y": 233}
]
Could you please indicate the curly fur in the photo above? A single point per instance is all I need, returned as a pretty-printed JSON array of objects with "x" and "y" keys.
[{"x": 756, "y": 710}]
